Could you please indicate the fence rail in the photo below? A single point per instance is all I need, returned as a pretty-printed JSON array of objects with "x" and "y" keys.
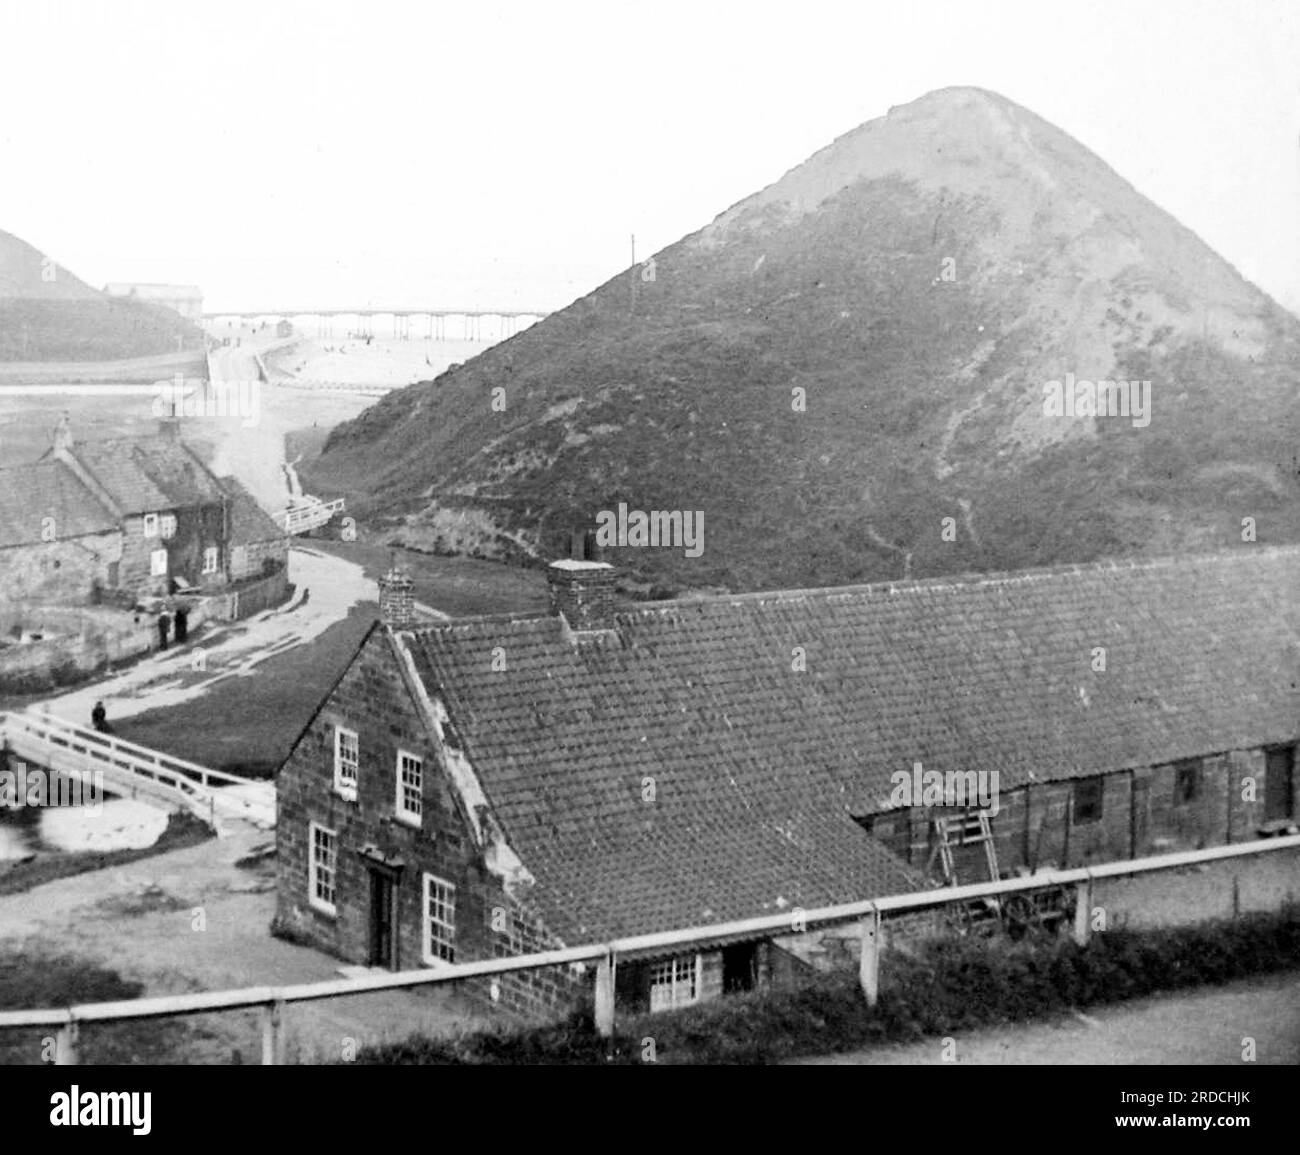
[
  {"x": 271, "y": 1001},
  {"x": 301, "y": 518},
  {"x": 68, "y": 748}
]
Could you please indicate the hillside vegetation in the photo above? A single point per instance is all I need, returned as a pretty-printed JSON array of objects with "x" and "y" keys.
[{"x": 844, "y": 360}]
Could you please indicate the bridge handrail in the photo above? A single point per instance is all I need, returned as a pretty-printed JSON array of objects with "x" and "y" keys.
[
  {"x": 177, "y": 788},
  {"x": 96, "y": 743}
]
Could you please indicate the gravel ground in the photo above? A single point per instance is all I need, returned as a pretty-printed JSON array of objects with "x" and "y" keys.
[{"x": 1207, "y": 1026}]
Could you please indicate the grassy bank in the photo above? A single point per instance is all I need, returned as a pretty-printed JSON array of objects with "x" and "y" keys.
[
  {"x": 945, "y": 986},
  {"x": 30, "y": 977}
]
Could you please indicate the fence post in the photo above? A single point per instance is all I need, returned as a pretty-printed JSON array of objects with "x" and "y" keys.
[
  {"x": 1083, "y": 911},
  {"x": 65, "y": 1046},
  {"x": 273, "y": 1033},
  {"x": 605, "y": 996},
  {"x": 869, "y": 965}
]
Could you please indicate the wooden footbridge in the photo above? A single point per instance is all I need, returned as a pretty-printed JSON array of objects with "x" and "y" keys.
[
  {"x": 213, "y": 796},
  {"x": 311, "y": 514}
]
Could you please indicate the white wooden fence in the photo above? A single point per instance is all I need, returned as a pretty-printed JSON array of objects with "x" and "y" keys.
[{"x": 272, "y": 1000}]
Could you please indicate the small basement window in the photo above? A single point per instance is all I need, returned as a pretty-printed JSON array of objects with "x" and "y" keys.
[
  {"x": 1088, "y": 794},
  {"x": 674, "y": 982},
  {"x": 1187, "y": 781}
]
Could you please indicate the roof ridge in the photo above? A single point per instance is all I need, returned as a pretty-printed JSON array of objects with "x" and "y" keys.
[
  {"x": 965, "y": 580},
  {"x": 996, "y": 577}
]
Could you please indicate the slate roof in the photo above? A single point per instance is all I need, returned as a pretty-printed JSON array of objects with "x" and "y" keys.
[
  {"x": 149, "y": 474},
  {"x": 249, "y": 522},
  {"x": 757, "y": 768},
  {"x": 31, "y": 493}
]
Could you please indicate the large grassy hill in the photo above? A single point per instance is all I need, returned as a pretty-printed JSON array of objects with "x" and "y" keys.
[{"x": 919, "y": 281}]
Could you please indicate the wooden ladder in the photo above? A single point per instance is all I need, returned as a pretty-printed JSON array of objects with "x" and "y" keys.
[{"x": 970, "y": 828}]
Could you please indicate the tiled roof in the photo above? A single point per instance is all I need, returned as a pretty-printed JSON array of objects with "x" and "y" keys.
[
  {"x": 148, "y": 474},
  {"x": 31, "y": 493},
  {"x": 756, "y": 766},
  {"x": 249, "y": 523}
]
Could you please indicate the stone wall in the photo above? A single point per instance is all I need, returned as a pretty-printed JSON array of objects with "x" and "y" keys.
[
  {"x": 78, "y": 643},
  {"x": 63, "y": 570},
  {"x": 247, "y": 598},
  {"x": 252, "y": 559}
]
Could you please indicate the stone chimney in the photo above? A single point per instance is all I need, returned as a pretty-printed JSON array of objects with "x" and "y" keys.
[
  {"x": 397, "y": 599},
  {"x": 582, "y": 592}
]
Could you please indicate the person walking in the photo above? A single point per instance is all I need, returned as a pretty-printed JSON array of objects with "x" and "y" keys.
[{"x": 99, "y": 718}]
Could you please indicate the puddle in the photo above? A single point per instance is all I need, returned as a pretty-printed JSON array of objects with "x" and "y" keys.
[{"x": 118, "y": 824}]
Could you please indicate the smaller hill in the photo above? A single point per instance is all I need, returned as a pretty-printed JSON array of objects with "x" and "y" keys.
[{"x": 49, "y": 315}]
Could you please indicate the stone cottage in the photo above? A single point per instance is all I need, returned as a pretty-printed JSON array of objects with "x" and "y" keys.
[
  {"x": 497, "y": 785},
  {"x": 127, "y": 517}
]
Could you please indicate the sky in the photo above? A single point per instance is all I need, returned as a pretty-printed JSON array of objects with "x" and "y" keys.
[{"x": 328, "y": 154}]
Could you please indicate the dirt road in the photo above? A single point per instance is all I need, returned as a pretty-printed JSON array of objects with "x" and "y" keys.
[
  {"x": 1207, "y": 1026},
  {"x": 328, "y": 587}
]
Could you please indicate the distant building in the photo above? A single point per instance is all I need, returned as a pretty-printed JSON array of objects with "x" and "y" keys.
[
  {"x": 494, "y": 786},
  {"x": 187, "y": 300},
  {"x": 284, "y": 328}
]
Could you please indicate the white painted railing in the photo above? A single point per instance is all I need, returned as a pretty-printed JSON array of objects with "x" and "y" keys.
[
  {"x": 271, "y": 1001},
  {"x": 301, "y": 518},
  {"x": 56, "y": 744},
  {"x": 333, "y": 386}
]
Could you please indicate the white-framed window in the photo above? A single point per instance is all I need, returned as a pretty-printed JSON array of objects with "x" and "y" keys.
[
  {"x": 410, "y": 787},
  {"x": 439, "y": 920},
  {"x": 158, "y": 563},
  {"x": 210, "y": 555},
  {"x": 675, "y": 982},
  {"x": 347, "y": 762},
  {"x": 151, "y": 525},
  {"x": 322, "y": 868},
  {"x": 167, "y": 526}
]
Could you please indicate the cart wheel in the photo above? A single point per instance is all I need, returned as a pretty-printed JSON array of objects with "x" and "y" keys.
[{"x": 1020, "y": 915}]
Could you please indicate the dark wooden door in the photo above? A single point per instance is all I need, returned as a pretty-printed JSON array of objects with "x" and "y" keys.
[
  {"x": 1279, "y": 767},
  {"x": 381, "y": 920},
  {"x": 739, "y": 966}
]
